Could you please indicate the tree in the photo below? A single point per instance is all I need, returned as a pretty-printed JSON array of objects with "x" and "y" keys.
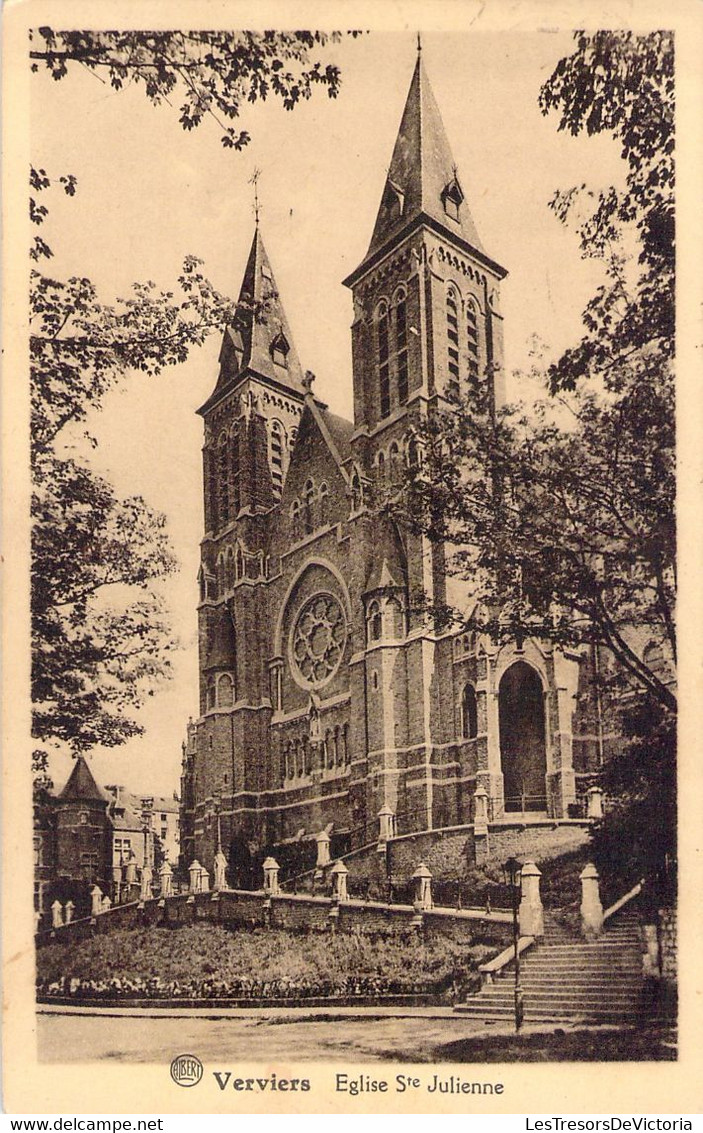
[
  {"x": 215, "y": 73},
  {"x": 563, "y": 512},
  {"x": 100, "y": 636}
]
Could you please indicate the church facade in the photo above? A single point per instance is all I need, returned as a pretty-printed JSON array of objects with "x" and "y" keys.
[{"x": 325, "y": 697}]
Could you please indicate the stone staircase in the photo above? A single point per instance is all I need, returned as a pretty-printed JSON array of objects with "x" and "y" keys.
[{"x": 571, "y": 980}]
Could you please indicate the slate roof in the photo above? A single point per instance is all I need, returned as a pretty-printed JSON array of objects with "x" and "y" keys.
[
  {"x": 81, "y": 786},
  {"x": 421, "y": 171},
  {"x": 260, "y": 321}
]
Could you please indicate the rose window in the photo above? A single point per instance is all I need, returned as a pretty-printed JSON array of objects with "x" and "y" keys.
[{"x": 318, "y": 638}]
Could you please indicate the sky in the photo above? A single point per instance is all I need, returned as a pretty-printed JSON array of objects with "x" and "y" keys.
[{"x": 150, "y": 194}]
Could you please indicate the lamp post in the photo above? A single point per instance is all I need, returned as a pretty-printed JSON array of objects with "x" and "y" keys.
[{"x": 513, "y": 874}]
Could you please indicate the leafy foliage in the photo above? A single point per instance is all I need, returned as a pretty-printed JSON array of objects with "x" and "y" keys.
[
  {"x": 100, "y": 634},
  {"x": 214, "y": 73}
]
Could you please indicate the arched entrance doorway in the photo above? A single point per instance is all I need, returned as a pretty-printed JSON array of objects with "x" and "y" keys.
[{"x": 523, "y": 753}]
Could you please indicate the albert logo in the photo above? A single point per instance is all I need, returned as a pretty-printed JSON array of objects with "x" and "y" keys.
[{"x": 186, "y": 1070}]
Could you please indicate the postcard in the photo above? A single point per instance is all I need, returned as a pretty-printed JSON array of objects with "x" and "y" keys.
[{"x": 350, "y": 422}]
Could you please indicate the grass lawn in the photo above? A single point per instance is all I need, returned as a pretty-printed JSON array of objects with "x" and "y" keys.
[{"x": 210, "y": 960}]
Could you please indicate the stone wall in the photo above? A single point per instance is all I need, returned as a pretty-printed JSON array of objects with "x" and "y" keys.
[
  {"x": 300, "y": 913},
  {"x": 450, "y": 853}
]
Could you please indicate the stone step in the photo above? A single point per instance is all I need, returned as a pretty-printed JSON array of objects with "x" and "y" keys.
[
  {"x": 602, "y": 986},
  {"x": 558, "y": 994},
  {"x": 530, "y": 1016}
]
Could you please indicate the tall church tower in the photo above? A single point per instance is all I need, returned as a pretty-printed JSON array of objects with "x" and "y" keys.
[
  {"x": 426, "y": 329},
  {"x": 251, "y": 421}
]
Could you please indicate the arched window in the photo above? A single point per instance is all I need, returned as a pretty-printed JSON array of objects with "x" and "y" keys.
[
  {"x": 346, "y": 754},
  {"x": 210, "y": 694},
  {"x": 223, "y": 481},
  {"x": 394, "y": 462},
  {"x": 286, "y": 761},
  {"x": 401, "y": 346},
  {"x": 336, "y": 746},
  {"x": 229, "y": 569},
  {"x": 324, "y": 504},
  {"x": 469, "y": 717},
  {"x": 277, "y": 444},
  {"x": 381, "y": 464},
  {"x": 375, "y": 623},
  {"x": 413, "y": 452},
  {"x": 308, "y": 495},
  {"x": 357, "y": 495},
  {"x": 295, "y": 518},
  {"x": 235, "y": 482},
  {"x": 221, "y": 575},
  {"x": 306, "y": 755},
  {"x": 472, "y": 342},
  {"x": 239, "y": 563},
  {"x": 225, "y": 691},
  {"x": 452, "y": 344},
  {"x": 384, "y": 375},
  {"x": 327, "y": 749},
  {"x": 394, "y": 618}
]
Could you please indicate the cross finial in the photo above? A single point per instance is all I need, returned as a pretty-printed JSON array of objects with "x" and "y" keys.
[
  {"x": 419, "y": 44},
  {"x": 254, "y": 180}
]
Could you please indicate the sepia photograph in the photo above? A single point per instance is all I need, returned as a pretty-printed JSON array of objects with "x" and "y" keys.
[{"x": 352, "y": 530}]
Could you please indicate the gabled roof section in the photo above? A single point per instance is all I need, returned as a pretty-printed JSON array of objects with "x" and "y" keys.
[
  {"x": 389, "y": 564},
  {"x": 335, "y": 432},
  {"x": 259, "y": 341},
  {"x": 81, "y": 786},
  {"x": 423, "y": 181},
  {"x": 340, "y": 431}
]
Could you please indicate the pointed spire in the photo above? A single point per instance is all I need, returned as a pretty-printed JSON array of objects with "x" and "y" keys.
[
  {"x": 422, "y": 181},
  {"x": 81, "y": 784},
  {"x": 259, "y": 340}
]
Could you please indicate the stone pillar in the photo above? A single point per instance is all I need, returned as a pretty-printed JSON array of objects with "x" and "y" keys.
[
  {"x": 339, "y": 876},
  {"x": 386, "y": 823},
  {"x": 96, "y": 901},
  {"x": 323, "y": 849},
  {"x": 106, "y": 904},
  {"x": 591, "y": 907},
  {"x": 70, "y": 910},
  {"x": 423, "y": 888},
  {"x": 56, "y": 914},
  {"x": 531, "y": 915},
  {"x": 220, "y": 877},
  {"x": 145, "y": 893},
  {"x": 594, "y": 802},
  {"x": 130, "y": 871},
  {"x": 116, "y": 882},
  {"x": 480, "y": 810},
  {"x": 204, "y": 880},
  {"x": 651, "y": 960},
  {"x": 166, "y": 880},
  {"x": 271, "y": 868},
  {"x": 194, "y": 873}
]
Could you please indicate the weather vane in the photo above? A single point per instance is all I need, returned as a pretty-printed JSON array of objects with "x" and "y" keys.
[
  {"x": 419, "y": 43},
  {"x": 254, "y": 180}
]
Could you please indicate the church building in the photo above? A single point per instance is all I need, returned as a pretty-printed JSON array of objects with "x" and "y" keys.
[{"x": 326, "y": 698}]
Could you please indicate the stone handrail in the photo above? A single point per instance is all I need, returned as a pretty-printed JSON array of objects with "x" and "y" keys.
[
  {"x": 492, "y": 967},
  {"x": 624, "y": 900}
]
